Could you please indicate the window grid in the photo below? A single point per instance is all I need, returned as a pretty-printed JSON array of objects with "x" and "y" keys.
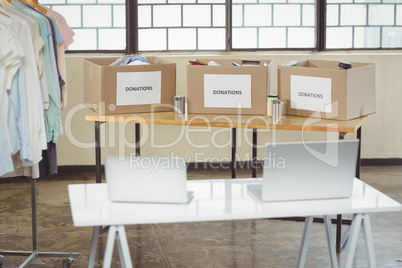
[
  {"x": 77, "y": 23},
  {"x": 378, "y": 31},
  {"x": 369, "y": 31},
  {"x": 274, "y": 12},
  {"x": 173, "y": 44}
]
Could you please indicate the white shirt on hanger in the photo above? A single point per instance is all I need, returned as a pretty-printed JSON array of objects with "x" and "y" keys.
[{"x": 34, "y": 102}]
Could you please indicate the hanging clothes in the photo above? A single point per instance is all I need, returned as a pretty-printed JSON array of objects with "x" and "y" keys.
[
  {"x": 53, "y": 112},
  {"x": 68, "y": 38},
  {"x": 32, "y": 84}
]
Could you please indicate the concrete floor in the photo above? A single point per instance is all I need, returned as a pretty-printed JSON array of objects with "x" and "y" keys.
[{"x": 246, "y": 243}]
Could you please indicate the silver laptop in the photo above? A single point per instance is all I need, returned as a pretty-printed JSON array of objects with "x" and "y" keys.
[
  {"x": 307, "y": 170},
  {"x": 147, "y": 179}
]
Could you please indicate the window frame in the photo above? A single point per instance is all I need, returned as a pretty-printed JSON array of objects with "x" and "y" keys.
[{"x": 320, "y": 38}]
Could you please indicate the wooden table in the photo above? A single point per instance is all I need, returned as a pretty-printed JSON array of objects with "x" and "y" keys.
[
  {"x": 254, "y": 122},
  {"x": 234, "y": 121},
  {"x": 229, "y": 121}
]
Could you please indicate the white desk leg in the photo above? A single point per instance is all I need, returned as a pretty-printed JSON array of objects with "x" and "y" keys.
[
  {"x": 369, "y": 240},
  {"x": 354, "y": 233},
  {"x": 122, "y": 245},
  {"x": 95, "y": 235},
  {"x": 123, "y": 265},
  {"x": 304, "y": 244},
  {"x": 117, "y": 232},
  {"x": 358, "y": 221},
  {"x": 107, "y": 259},
  {"x": 330, "y": 240}
]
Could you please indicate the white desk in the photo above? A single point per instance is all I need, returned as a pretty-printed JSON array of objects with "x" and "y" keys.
[
  {"x": 216, "y": 200},
  {"x": 234, "y": 122}
]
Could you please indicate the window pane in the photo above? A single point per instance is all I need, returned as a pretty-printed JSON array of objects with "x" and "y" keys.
[
  {"x": 182, "y": 39},
  {"x": 243, "y": 1},
  {"x": 119, "y": 16},
  {"x": 144, "y": 16},
  {"x": 339, "y": 37},
  {"x": 244, "y": 38},
  {"x": 370, "y": 1},
  {"x": 219, "y": 16},
  {"x": 308, "y": 15},
  {"x": 211, "y": 39},
  {"x": 301, "y": 1},
  {"x": 212, "y": 1},
  {"x": 392, "y": 37},
  {"x": 273, "y": 24},
  {"x": 107, "y": 1},
  {"x": 165, "y": 16},
  {"x": 367, "y": 37},
  {"x": 353, "y": 14},
  {"x": 47, "y": 2},
  {"x": 257, "y": 15},
  {"x": 152, "y": 39},
  {"x": 91, "y": 15},
  {"x": 80, "y": 1},
  {"x": 266, "y": 40},
  {"x": 287, "y": 15},
  {"x": 181, "y": 1},
  {"x": 399, "y": 15},
  {"x": 84, "y": 39},
  {"x": 112, "y": 39},
  {"x": 332, "y": 15},
  {"x": 151, "y": 1},
  {"x": 381, "y": 14},
  {"x": 370, "y": 24},
  {"x": 184, "y": 25},
  {"x": 71, "y": 13},
  {"x": 301, "y": 37},
  {"x": 339, "y": 1},
  {"x": 237, "y": 16},
  {"x": 194, "y": 15}
]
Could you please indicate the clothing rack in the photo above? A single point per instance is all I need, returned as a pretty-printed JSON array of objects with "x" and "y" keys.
[
  {"x": 41, "y": 128},
  {"x": 35, "y": 252}
]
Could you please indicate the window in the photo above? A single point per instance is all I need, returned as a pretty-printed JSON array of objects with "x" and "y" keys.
[
  {"x": 177, "y": 25},
  {"x": 273, "y": 24},
  {"x": 364, "y": 24},
  {"x": 98, "y": 24},
  {"x": 212, "y": 25}
]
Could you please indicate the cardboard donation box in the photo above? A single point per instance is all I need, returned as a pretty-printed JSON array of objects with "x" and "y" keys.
[
  {"x": 319, "y": 89},
  {"x": 227, "y": 89},
  {"x": 129, "y": 88}
]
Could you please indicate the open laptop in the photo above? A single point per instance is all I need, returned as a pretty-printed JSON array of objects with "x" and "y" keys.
[
  {"x": 147, "y": 179},
  {"x": 307, "y": 170}
]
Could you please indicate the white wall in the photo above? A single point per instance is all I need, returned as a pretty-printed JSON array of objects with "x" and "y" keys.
[{"x": 381, "y": 134}]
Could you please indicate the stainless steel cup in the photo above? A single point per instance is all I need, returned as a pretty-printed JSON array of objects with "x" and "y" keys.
[
  {"x": 179, "y": 104},
  {"x": 277, "y": 109}
]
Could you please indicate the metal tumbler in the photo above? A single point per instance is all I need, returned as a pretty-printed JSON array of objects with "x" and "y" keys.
[
  {"x": 277, "y": 109},
  {"x": 179, "y": 104}
]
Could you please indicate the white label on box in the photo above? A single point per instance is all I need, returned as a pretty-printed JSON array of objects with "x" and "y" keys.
[
  {"x": 310, "y": 93},
  {"x": 227, "y": 91},
  {"x": 138, "y": 88}
]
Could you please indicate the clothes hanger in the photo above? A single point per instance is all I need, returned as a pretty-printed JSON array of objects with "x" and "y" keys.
[
  {"x": 2, "y": 13},
  {"x": 36, "y": 4}
]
